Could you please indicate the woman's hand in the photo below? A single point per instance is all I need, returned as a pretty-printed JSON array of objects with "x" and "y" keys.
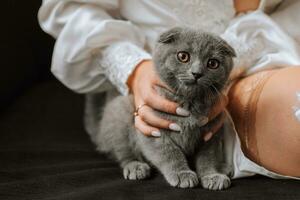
[{"x": 142, "y": 83}]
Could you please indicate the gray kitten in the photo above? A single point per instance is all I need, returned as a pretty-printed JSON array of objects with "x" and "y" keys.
[{"x": 196, "y": 65}]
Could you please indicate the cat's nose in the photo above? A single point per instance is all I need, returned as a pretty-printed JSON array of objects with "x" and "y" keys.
[{"x": 197, "y": 75}]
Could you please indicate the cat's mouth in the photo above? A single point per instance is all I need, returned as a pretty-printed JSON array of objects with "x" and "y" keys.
[
  {"x": 193, "y": 84},
  {"x": 190, "y": 81},
  {"x": 186, "y": 79}
]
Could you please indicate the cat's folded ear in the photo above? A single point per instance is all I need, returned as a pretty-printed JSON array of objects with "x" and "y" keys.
[
  {"x": 228, "y": 49},
  {"x": 170, "y": 35}
]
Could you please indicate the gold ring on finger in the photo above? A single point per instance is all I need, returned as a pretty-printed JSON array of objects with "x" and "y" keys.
[{"x": 136, "y": 112}]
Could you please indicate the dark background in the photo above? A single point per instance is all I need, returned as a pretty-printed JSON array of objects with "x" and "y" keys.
[
  {"x": 44, "y": 151},
  {"x": 25, "y": 49}
]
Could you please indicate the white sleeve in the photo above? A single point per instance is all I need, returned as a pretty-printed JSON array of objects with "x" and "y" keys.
[
  {"x": 260, "y": 44},
  {"x": 287, "y": 16},
  {"x": 92, "y": 44}
]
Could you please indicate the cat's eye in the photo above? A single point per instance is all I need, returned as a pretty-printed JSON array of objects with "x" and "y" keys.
[
  {"x": 183, "y": 56},
  {"x": 213, "y": 63}
]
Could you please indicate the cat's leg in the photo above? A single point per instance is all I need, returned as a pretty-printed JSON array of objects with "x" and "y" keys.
[
  {"x": 133, "y": 167},
  {"x": 116, "y": 136},
  {"x": 211, "y": 170},
  {"x": 170, "y": 161},
  {"x": 122, "y": 149}
]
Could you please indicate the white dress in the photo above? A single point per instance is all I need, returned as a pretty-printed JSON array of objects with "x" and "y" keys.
[{"x": 100, "y": 42}]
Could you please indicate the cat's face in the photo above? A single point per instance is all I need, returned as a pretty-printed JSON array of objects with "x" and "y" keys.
[{"x": 191, "y": 61}]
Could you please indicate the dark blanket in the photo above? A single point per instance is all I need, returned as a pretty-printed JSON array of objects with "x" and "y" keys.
[{"x": 46, "y": 154}]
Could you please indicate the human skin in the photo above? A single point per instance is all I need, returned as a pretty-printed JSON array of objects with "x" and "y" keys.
[
  {"x": 269, "y": 124},
  {"x": 245, "y": 5},
  {"x": 143, "y": 80}
]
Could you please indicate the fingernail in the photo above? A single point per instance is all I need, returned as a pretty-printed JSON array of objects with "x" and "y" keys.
[
  {"x": 174, "y": 127},
  {"x": 207, "y": 136},
  {"x": 203, "y": 121},
  {"x": 182, "y": 112},
  {"x": 155, "y": 134}
]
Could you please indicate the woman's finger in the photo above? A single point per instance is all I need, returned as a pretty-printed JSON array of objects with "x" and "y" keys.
[
  {"x": 207, "y": 136},
  {"x": 145, "y": 128},
  {"x": 148, "y": 116},
  {"x": 158, "y": 102},
  {"x": 219, "y": 107}
]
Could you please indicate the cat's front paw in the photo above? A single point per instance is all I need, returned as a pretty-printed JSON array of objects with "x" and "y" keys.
[
  {"x": 215, "y": 181},
  {"x": 136, "y": 170},
  {"x": 183, "y": 179}
]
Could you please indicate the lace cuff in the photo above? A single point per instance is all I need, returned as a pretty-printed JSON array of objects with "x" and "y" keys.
[{"x": 119, "y": 61}]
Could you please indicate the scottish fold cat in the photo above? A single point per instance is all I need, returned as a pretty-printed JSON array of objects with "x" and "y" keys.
[{"x": 196, "y": 65}]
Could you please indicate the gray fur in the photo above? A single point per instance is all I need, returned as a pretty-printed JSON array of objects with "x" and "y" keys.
[{"x": 174, "y": 154}]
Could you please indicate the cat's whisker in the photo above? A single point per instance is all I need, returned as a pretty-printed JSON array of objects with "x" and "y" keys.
[
  {"x": 184, "y": 75},
  {"x": 178, "y": 90},
  {"x": 185, "y": 78},
  {"x": 218, "y": 92},
  {"x": 209, "y": 95}
]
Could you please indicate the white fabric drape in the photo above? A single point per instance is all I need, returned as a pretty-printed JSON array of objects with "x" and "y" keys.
[{"x": 100, "y": 42}]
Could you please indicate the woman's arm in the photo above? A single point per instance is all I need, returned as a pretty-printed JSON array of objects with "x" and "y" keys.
[
  {"x": 242, "y": 6},
  {"x": 92, "y": 44},
  {"x": 245, "y": 5}
]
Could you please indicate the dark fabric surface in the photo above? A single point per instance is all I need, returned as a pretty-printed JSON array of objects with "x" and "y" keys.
[{"x": 46, "y": 154}]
